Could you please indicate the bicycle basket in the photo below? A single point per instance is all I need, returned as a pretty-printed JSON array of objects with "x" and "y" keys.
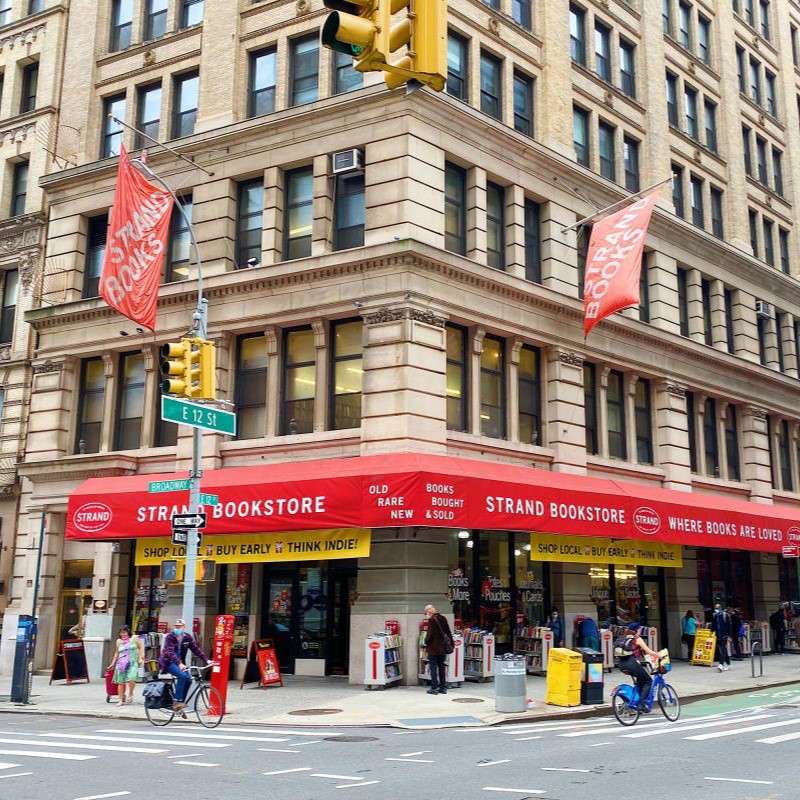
[{"x": 157, "y": 694}]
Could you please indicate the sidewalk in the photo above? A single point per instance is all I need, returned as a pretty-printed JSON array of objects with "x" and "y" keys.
[{"x": 303, "y": 701}]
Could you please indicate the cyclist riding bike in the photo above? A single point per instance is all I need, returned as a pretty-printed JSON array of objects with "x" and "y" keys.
[
  {"x": 173, "y": 659},
  {"x": 629, "y": 664}
]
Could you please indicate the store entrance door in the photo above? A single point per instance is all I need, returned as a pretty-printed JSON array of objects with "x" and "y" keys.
[
  {"x": 72, "y": 609},
  {"x": 279, "y": 621},
  {"x": 652, "y": 607},
  {"x": 341, "y": 596}
]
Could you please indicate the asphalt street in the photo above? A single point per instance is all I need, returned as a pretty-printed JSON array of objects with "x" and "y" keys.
[{"x": 741, "y": 748}]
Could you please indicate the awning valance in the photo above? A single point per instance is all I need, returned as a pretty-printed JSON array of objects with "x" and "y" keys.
[{"x": 429, "y": 490}]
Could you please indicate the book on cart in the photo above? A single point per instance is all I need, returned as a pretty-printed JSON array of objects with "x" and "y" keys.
[
  {"x": 479, "y": 653},
  {"x": 535, "y": 643},
  {"x": 382, "y": 661},
  {"x": 453, "y": 663}
]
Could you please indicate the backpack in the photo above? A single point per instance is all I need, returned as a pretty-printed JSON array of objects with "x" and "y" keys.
[
  {"x": 157, "y": 694},
  {"x": 623, "y": 646}
]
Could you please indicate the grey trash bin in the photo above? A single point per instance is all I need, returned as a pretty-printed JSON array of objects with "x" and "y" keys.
[{"x": 509, "y": 684}]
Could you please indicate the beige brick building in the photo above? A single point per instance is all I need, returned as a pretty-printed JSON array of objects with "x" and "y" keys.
[{"x": 425, "y": 299}]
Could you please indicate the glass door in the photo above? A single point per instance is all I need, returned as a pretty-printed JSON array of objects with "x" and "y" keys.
[
  {"x": 342, "y": 594},
  {"x": 73, "y": 607},
  {"x": 280, "y": 615}
]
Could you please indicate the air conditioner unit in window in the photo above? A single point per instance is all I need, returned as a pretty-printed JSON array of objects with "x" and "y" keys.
[
  {"x": 347, "y": 161},
  {"x": 763, "y": 309}
]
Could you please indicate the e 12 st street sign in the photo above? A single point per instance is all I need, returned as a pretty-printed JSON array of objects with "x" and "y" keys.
[
  {"x": 189, "y": 520},
  {"x": 197, "y": 416},
  {"x": 180, "y": 536}
]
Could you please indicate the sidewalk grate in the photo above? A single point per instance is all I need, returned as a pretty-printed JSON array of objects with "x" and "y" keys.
[
  {"x": 350, "y": 738},
  {"x": 468, "y": 700},
  {"x": 310, "y": 712}
]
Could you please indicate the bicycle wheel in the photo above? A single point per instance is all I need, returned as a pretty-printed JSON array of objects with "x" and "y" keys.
[
  {"x": 669, "y": 702},
  {"x": 208, "y": 706},
  {"x": 159, "y": 716},
  {"x": 625, "y": 713}
]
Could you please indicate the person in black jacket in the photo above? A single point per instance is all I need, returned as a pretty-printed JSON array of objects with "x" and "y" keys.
[
  {"x": 721, "y": 625},
  {"x": 777, "y": 621},
  {"x": 438, "y": 643},
  {"x": 736, "y": 624}
]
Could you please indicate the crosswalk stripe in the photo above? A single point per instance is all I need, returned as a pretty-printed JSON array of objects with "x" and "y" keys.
[
  {"x": 672, "y": 727},
  {"x": 173, "y": 742},
  {"x": 209, "y": 735},
  {"x": 15, "y": 775},
  {"x": 749, "y": 729},
  {"x": 115, "y": 748},
  {"x": 40, "y": 754},
  {"x": 9, "y": 766},
  {"x": 786, "y": 737}
]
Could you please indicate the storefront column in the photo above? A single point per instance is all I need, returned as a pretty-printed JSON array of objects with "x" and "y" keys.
[
  {"x": 403, "y": 389},
  {"x": 766, "y": 588},
  {"x": 565, "y": 413},
  {"x": 756, "y": 452},
  {"x": 406, "y": 570},
  {"x": 672, "y": 435},
  {"x": 571, "y": 593},
  {"x": 681, "y": 595}
]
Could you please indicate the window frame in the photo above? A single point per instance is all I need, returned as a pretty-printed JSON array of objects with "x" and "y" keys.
[
  {"x": 491, "y": 85},
  {"x": 288, "y": 368},
  {"x": 180, "y": 114},
  {"x": 455, "y": 366},
  {"x": 301, "y": 204},
  {"x": 493, "y": 390},
  {"x": 126, "y": 388},
  {"x": 246, "y": 249},
  {"x": 335, "y": 422}
]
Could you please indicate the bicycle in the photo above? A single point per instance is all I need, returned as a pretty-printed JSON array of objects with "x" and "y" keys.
[
  {"x": 201, "y": 699},
  {"x": 625, "y": 697}
]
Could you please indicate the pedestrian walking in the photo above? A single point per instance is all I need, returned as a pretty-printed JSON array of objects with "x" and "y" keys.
[
  {"x": 688, "y": 630},
  {"x": 721, "y": 625},
  {"x": 128, "y": 654}
]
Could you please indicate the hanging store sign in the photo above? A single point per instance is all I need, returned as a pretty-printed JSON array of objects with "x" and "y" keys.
[
  {"x": 296, "y": 546},
  {"x": 596, "y": 550}
]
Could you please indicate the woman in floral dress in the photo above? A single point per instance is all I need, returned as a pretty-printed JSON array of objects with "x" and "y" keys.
[{"x": 129, "y": 654}]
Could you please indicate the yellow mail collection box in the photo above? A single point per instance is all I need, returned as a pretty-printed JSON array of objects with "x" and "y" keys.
[{"x": 564, "y": 668}]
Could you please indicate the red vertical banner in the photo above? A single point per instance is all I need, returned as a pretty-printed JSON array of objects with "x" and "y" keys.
[
  {"x": 137, "y": 240},
  {"x": 221, "y": 653},
  {"x": 614, "y": 261}
]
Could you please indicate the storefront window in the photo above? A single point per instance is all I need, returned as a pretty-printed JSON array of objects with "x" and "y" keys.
[
  {"x": 787, "y": 572},
  {"x": 150, "y": 595},
  {"x": 313, "y": 612},
  {"x": 615, "y": 594},
  {"x": 529, "y": 582},
  {"x": 460, "y": 578},
  {"x": 600, "y": 593},
  {"x": 237, "y": 602},
  {"x": 723, "y": 576}
]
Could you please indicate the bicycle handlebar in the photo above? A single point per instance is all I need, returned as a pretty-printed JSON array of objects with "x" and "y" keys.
[{"x": 198, "y": 672}]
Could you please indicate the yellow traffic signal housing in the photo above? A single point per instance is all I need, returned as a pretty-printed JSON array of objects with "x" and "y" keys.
[
  {"x": 173, "y": 367},
  {"x": 192, "y": 368},
  {"x": 358, "y": 28},
  {"x": 424, "y": 32},
  {"x": 207, "y": 389}
]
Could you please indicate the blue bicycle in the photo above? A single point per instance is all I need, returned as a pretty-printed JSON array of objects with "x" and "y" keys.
[{"x": 625, "y": 698}]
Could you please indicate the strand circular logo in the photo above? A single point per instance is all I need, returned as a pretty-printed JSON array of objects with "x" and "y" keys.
[
  {"x": 646, "y": 520},
  {"x": 92, "y": 517}
]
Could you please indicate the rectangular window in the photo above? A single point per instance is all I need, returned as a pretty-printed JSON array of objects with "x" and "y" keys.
[
  {"x": 605, "y": 148},
  {"x": 130, "y": 402},
  {"x": 530, "y": 395},
  {"x": 762, "y": 341},
  {"x": 304, "y": 81},
  {"x": 521, "y": 13},
  {"x": 30, "y": 84},
  {"x": 176, "y": 263},
  {"x": 764, "y": 8},
  {"x": 666, "y": 17},
  {"x": 456, "y": 66},
  {"x": 299, "y": 380},
  {"x": 672, "y": 99},
  {"x": 644, "y": 289},
  {"x": 533, "y": 240},
  {"x": 615, "y": 409},
  {"x": 523, "y": 104},
  {"x": 644, "y": 422},
  {"x": 710, "y": 110},
  {"x": 113, "y": 107},
  {"x": 690, "y": 106},
  {"x": 627, "y": 68},
  {"x": 677, "y": 190},
  {"x": 577, "y": 34},
  {"x": 748, "y": 156},
  {"x": 5, "y": 12},
  {"x": 347, "y": 370},
  {"x": 783, "y": 455},
  {"x": 456, "y": 378},
  {"x": 299, "y": 213},
  {"x": 491, "y": 69},
  {"x": 740, "y": 69},
  {"x": 793, "y": 36},
  {"x": 696, "y": 188},
  {"x": 780, "y": 322},
  {"x": 121, "y": 24},
  {"x": 710, "y": 441},
  {"x": 685, "y": 25},
  {"x": 186, "y": 99},
  {"x": 717, "y": 227},
  {"x": 691, "y": 424},
  {"x": 602, "y": 51},
  {"x": 191, "y": 13},
  {"x": 249, "y": 222},
  {"x": 683, "y": 301},
  {"x": 455, "y": 209},
  {"x": 704, "y": 39},
  {"x": 148, "y": 117},
  {"x": 630, "y": 153},
  {"x": 769, "y": 247},
  {"x": 582, "y": 250},
  {"x": 251, "y": 387},
  {"x": 90, "y": 410},
  {"x": 729, "y": 339},
  {"x": 761, "y": 160},
  {"x": 705, "y": 288},
  {"x": 345, "y": 76},
  {"x": 752, "y": 219},
  {"x": 349, "y": 211},
  {"x": 96, "y": 232},
  {"x": 19, "y": 188},
  {"x": 749, "y": 15},
  {"x": 755, "y": 81},
  {"x": 580, "y": 135},
  {"x": 495, "y": 226},
  {"x": 783, "y": 243},
  {"x": 9, "y": 309},
  {"x": 732, "y": 444},
  {"x": 777, "y": 171},
  {"x": 261, "y": 99},
  {"x": 493, "y": 382},
  {"x": 155, "y": 21},
  {"x": 590, "y": 407}
]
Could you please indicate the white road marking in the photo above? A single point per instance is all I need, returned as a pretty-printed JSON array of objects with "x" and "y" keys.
[
  {"x": 197, "y": 764},
  {"x": 493, "y": 763},
  {"x": 127, "y": 739},
  {"x": 413, "y": 760},
  {"x": 189, "y": 735},
  {"x": 277, "y": 750},
  {"x": 9, "y": 766},
  {"x": 527, "y": 738},
  {"x": 300, "y": 744},
  {"x": 39, "y": 754},
  {"x": 786, "y": 737},
  {"x": 39, "y": 743},
  {"x": 270, "y": 732},
  {"x": 766, "y": 726},
  {"x": 563, "y": 769},
  {"x": 15, "y": 775},
  {"x": 599, "y": 744},
  {"x": 184, "y": 755},
  {"x": 354, "y": 785},
  {"x": 738, "y": 780},
  {"x": 676, "y": 728},
  {"x": 337, "y": 777},
  {"x": 101, "y": 796},
  {"x": 284, "y": 771},
  {"x": 417, "y": 753},
  {"x": 513, "y": 791}
]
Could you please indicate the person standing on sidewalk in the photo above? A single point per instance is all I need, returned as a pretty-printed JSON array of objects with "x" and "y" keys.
[
  {"x": 556, "y": 624},
  {"x": 777, "y": 621},
  {"x": 128, "y": 655},
  {"x": 688, "y": 630},
  {"x": 438, "y": 643},
  {"x": 736, "y": 633},
  {"x": 721, "y": 625}
]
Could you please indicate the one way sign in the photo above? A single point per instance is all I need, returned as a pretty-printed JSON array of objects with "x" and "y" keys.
[
  {"x": 189, "y": 520},
  {"x": 180, "y": 536}
]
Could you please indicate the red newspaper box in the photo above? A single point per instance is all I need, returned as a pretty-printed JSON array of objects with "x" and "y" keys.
[{"x": 221, "y": 654}]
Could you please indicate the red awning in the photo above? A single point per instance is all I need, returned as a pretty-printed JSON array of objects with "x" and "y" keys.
[{"x": 428, "y": 490}]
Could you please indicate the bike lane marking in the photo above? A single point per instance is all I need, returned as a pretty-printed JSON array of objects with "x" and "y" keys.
[
  {"x": 749, "y": 729},
  {"x": 693, "y": 727},
  {"x": 738, "y": 780}
]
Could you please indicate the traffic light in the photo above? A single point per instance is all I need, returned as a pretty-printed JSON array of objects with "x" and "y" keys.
[
  {"x": 358, "y": 28},
  {"x": 208, "y": 366},
  {"x": 175, "y": 357}
]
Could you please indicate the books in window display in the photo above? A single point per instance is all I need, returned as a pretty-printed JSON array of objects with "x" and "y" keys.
[
  {"x": 474, "y": 641},
  {"x": 528, "y": 642}
]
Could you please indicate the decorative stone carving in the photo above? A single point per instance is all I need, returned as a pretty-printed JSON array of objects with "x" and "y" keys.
[
  {"x": 5, "y": 353},
  {"x": 28, "y": 266},
  {"x": 303, "y": 7},
  {"x": 18, "y": 240},
  {"x": 675, "y": 389},
  {"x": 757, "y": 413},
  {"x": 570, "y": 359},
  {"x": 385, "y": 315},
  {"x": 149, "y": 58},
  {"x": 19, "y": 133},
  {"x": 47, "y": 367},
  {"x": 494, "y": 26},
  {"x": 428, "y": 317},
  {"x": 21, "y": 38}
]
